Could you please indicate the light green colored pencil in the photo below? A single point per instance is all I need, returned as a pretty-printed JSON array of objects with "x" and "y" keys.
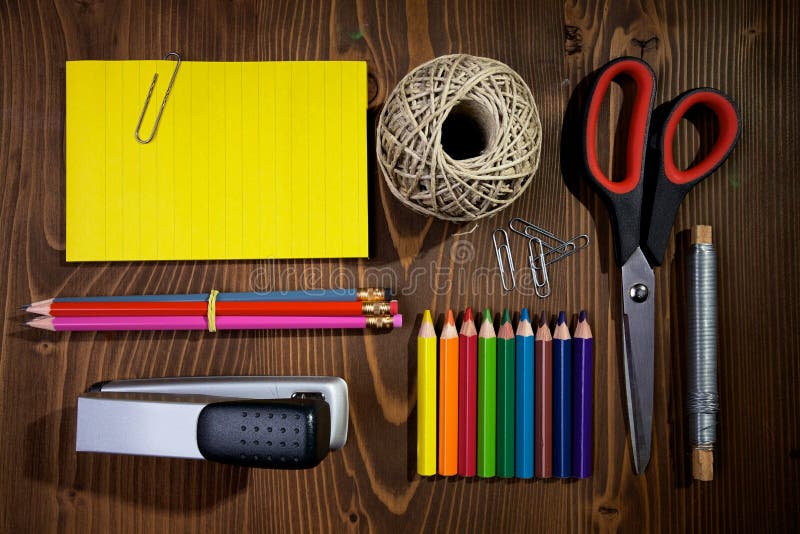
[{"x": 487, "y": 397}]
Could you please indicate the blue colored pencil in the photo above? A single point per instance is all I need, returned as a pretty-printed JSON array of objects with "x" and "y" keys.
[
  {"x": 303, "y": 295},
  {"x": 562, "y": 399},
  {"x": 523, "y": 447}
]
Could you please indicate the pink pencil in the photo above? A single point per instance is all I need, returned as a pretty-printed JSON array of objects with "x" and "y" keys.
[{"x": 225, "y": 322}]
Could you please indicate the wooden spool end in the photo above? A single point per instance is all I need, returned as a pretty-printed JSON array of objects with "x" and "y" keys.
[
  {"x": 701, "y": 234},
  {"x": 703, "y": 465}
]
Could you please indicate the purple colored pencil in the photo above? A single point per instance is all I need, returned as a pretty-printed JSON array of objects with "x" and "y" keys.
[
  {"x": 582, "y": 349},
  {"x": 224, "y": 322}
]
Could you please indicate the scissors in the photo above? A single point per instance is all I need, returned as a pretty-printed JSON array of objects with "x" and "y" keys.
[{"x": 642, "y": 206}]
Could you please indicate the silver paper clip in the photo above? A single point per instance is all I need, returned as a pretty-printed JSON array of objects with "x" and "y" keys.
[
  {"x": 499, "y": 249},
  {"x": 163, "y": 102},
  {"x": 541, "y": 280},
  {"x": 562, "y": 249}
]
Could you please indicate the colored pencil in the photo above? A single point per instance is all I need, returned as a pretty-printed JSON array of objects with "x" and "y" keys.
[
  {"x": 426, "y": 397},
  {"x": 448, "y": 397},
  {"x": 226, "y": 322},
  {"x": 487, "y": 397},
  {"x": 543, "y": 437},
  {"x": 467, "y": 396},
  {"x": 562, "y": 399},
  {"x": 337, "y": 295},
  {"x": 523, "y": 450},
  {"x": 505, "y": 397},
  {"x": 301, "y": 308},
  {"x": 582, "y": 353}
]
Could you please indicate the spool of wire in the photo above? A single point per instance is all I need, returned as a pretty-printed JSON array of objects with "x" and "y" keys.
[{"x": 702, "y": 396}]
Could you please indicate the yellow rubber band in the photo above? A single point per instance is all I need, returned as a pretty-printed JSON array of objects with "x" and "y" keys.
[{"x": 212, "y": 310}]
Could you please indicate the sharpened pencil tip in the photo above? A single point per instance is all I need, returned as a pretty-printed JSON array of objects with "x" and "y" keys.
[
  {"x": 524, "y": 316},
  {"x": 426, "y": 317},
  {"x": 542, "y": 319},
  {"x": 562, "y": 317},
  {"x": 24, "y": 307},
  {"x": 450, "y": 319},
  {"x": 506, "y": 316},
  {"x": 582, "y": 316},
  {"x": 468, "y": 314},
  {"x": 487, "y": 315}
]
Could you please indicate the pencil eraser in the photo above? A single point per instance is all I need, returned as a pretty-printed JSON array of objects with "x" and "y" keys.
[
  {"x": 393, "y": 307},
  {"x": 397, "y": 320}
]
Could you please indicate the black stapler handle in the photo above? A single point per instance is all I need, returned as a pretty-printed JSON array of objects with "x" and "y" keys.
[{"x": 276, "y": 433}]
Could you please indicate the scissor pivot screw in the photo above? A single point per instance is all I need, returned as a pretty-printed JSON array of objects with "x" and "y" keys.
[{"x": 639, "y": 292}]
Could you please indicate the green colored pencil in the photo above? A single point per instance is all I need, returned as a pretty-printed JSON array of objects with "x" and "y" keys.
[
  {"x": 487, "y": 397},
  {"x": 506, "y": 363}
]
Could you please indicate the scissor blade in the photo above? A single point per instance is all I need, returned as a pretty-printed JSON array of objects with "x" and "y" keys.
[{"x": 638, "y": 330}]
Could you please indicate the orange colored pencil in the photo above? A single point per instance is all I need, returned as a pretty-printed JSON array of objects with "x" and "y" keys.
[
  {"x": 448, "y": 397},
  {"x": 188, "y": 308}
]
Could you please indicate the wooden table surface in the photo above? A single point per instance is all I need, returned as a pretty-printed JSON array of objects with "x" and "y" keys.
[{"x": 743, "y": 48}]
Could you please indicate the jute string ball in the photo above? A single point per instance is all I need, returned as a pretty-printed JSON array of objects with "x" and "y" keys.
[{"x": 459, "y": 138}]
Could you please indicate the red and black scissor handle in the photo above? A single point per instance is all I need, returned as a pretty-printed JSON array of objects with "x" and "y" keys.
[{"x": 642, "y": 210}]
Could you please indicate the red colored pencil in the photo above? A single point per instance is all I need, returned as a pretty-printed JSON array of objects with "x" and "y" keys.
[
  {"x": 467, "y": 396},
  {"x": 132, "y": 309},
  {"x": 543, "y": 393}
]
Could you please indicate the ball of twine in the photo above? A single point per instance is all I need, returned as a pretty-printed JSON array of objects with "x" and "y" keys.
[{"x": 459, "y": 138}]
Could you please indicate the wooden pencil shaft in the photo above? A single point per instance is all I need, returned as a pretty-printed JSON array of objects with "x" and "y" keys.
[
  {"x": 426, "y": 399},
  {"x": 448, "y": 406},
  {"x": 322, "y": 308},
  {"x": 467, "y": 404},
  {"x": 506, "y": 362},
  {"x": 487, "y": 406},
  {"x": 543, "y": 448},
  {"x": 524, "y": 408}
]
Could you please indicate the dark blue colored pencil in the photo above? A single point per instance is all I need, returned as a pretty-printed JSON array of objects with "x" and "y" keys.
[{"x": 562, "y": 399}]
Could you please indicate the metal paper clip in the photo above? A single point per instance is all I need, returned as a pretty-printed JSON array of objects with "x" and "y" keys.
[
  {"x": 562, "y": 249},
  {"x": 528, "y": 225},
  {"x": 498, "y": 250},
  {"x": 570, "y": 247},
  {"x": 583, "y": 239},
  {"x": 163, "y": 102},
  {"x": 541, "y": 280}
]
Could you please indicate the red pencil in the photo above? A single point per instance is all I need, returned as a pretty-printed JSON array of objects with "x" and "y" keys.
[
  {"x": 188, "y": 308},
  {"x": 543, "y": 425},
  {"x": 467, "y": 396}
]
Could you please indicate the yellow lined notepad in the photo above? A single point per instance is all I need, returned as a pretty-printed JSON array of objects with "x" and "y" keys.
[{"x": 251, "y": 160}]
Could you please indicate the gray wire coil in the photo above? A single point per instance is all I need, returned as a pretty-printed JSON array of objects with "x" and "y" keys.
[{"x": 702, "y": 396}]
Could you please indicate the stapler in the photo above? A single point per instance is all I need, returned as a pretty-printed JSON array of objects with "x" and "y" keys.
[{"x": 254, "y": 421}]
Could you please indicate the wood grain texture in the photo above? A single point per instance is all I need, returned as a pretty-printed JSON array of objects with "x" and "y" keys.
[{"x": 742, "y": 47}]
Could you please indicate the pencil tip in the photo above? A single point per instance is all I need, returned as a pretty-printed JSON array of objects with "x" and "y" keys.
[
  {"x": 487, "y": 315},
  {"x": 468, "y": 314},
  {"x": 582, "y": 316},
  {"x": 506, "y": 316},
  {"x": 542, "y": 319},
  {"x": 24, "y": 307},
  {"x": 562, "y": 317},
  {"x": 524, "y": 316},
  {"x": 426, "y": 317},
  {"x": 450, "y": 319}
]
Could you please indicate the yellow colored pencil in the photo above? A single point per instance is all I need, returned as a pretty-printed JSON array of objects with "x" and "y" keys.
[{"x": 426, "y": 397}]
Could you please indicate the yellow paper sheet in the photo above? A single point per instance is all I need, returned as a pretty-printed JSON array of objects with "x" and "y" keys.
[{"x": 251, "y": 160}]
